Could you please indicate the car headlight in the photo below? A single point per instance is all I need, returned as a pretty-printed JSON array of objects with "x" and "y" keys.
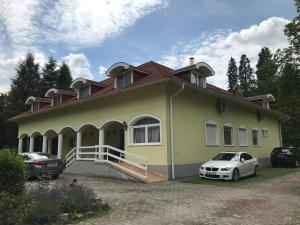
[
  {"x": 226, "y": 169},
  {"x": 202, "y": 168}
]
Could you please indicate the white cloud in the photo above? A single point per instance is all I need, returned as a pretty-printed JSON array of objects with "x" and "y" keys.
[
  {"x": 28, "y": 25},
  {"x": 216, "y": 48},
  {"x": 79, "y": 65},
  {"x": 102, "y": 70}
]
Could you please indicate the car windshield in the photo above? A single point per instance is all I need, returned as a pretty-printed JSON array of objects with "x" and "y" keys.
[{"x": 227, "y": 157}]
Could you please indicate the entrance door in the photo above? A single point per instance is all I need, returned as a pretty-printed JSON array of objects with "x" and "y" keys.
[{"x": 54, "y": 146}]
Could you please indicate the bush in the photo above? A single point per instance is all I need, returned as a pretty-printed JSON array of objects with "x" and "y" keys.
[
  {"x": 13, "y": 172},
  {"x": 13, "y": 209}
]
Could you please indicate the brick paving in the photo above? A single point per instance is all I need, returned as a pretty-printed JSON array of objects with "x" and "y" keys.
[{"x": 181, "y": 203}]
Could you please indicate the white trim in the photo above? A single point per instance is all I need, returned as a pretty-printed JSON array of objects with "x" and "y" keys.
[
  {"x": 232, "y": 135},
  {"x": 35, "y": 133},
  {"x": 65, "y": 127},
  {"x": 247, "y": 142},
  {"x": 118, "y": 64},
  {"x": 86, "y": 124},
  {"x": 203, "y": 64},
  {"x": 102, "y": 126},
  {"x": 54, "y": 90},
  {"x": 131, "y": 127},
  {"x": 77, "y": 80},
  {"x": 212, "y": 122},
  {"x": 50, "y": 129},
  {"x": 23, "y": 135}
]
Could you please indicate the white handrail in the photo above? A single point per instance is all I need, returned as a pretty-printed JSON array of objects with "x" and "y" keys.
[
  {"x": 70, "y": 157},
  {"x": 102, "y": 153}
]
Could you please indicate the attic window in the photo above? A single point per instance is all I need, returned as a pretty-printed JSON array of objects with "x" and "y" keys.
[
  {"x": 84, "y": 91},
  {"x": 198, "y": 80},
  {"x": 123, "y": 80},
  {"x": 56, "y": 100},
  {"x": 35, "y": 107}
]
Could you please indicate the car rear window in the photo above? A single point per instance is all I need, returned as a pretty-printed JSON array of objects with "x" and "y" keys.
[{"x": 36, "y": 156}]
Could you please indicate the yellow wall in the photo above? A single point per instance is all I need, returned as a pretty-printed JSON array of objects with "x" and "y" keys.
[
  {"x": 192, "y": 110},
  {"x": 123, "y": 107}
]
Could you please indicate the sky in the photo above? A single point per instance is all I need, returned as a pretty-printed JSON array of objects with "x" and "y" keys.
[{"x": 92, "y": 35}]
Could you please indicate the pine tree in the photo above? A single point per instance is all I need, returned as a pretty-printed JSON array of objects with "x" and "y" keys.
[
  {"x": 49, "y": 75},
  {"x": 266, "y": 69},
  {"x": 245, "y": 76},
  {"x": 64, "y": 79},
  {"x": 232, "y": 74},
  {"x": 292, "y": 31},
  {"x": 24, "y": 84}
]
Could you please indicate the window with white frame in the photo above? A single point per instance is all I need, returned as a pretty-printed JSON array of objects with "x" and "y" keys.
[
  {"x": 146, "y": 131},
  {"x": 255, "y": 137},
  {"x": 265, "y": 132},
  {"x": 35, "y": 107},
  {"x": 56, "y": 100},
  {"x": 212, "y": 133},
  {"x": 84, "y": 91},
  {"x": 123, "y": 80},
  {"x": 198, "y": 80},
  {"x": 228, "y": 135},
  {"x": 243, "y": 137}
]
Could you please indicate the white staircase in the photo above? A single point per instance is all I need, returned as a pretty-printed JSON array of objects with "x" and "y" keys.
[{"x": 127, "y": 162}]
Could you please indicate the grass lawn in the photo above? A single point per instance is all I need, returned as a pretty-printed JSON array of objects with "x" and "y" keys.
[{"x": 265, "y": 175}]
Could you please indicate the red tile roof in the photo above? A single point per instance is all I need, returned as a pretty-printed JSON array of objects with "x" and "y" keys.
[{"x": 157, "y": 72}]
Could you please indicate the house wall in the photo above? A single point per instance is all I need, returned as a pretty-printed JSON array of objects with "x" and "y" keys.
[
  {"x": 123, "y": 107},
  {"x": 192, "y": 110}
]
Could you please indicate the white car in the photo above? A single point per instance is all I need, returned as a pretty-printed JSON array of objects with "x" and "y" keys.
[{"x": 230, "y": 166}]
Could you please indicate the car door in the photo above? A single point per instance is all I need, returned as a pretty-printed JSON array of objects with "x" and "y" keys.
[
  {"x": 243, "y": 165},
  {"x": 250, "y": 164}
]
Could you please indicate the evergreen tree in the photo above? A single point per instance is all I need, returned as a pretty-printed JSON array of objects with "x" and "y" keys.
[
  {"x": 292, "y": 31},
  {"x": 49, "y": 75},
  {"x": 245, "y": 76},
  {"x": 64, "y": 79},
  {"x": 24, "y": 84},
  {"x": 266, "y": 69},
  {"x": 232, "y": 74}
]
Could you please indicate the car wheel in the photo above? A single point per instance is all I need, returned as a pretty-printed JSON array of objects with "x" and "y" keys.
[
  {"x": 256, "y": 171},
  {"x": 55, "y": 176},
  {"x": 235, "y": 175}
]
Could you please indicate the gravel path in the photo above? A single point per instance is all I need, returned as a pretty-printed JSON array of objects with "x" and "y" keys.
[{"x": 181, "y": 203}]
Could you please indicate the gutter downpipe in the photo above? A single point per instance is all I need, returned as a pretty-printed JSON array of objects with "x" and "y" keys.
[{"x": 171, "y": 128}]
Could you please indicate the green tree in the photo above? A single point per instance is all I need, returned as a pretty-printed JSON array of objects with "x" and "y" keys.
[
  {"x": 266, "y": 69},
  {"x": 49, "y": 75},
  {"x": 292, "y": 30},
  {"x": 232, "y": 74},
  {"x": 64, "y": 79},
  {"x": 245, "y": 76}
]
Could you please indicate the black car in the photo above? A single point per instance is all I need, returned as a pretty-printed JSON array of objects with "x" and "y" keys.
[
  {"x": 42, "y": 164},
  {"x": 285, "y": 156}
]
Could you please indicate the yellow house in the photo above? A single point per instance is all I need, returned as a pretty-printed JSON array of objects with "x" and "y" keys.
[{"x": 148, "y": 120}]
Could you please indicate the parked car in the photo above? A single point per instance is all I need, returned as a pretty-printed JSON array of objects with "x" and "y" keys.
[
  {"x": 42, "y": 164},
  {"x": 230, "y": 166},
  {"x": 285, "y": 156}
]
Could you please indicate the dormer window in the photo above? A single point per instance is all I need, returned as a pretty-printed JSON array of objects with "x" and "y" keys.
[
  {"x": 56, "y": 100},
  {"x": 123, "y": 80},
  {"x": 35, "y": 107},
  {"x": 84, "y": 91},
  {"x": 198, "y": 80}
]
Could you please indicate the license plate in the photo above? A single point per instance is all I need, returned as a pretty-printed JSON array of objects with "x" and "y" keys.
[
  {"x": 52, "y": 165},
  {"x": 211, "y": 173}
]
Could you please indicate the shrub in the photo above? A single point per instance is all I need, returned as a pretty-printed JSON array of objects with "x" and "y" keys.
[
  {"x": 13, "y": 172},
  {"x": 13, "y": 209}
]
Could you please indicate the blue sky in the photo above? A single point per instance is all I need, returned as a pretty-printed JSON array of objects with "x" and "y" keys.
[{"x": 92, "y": 35}]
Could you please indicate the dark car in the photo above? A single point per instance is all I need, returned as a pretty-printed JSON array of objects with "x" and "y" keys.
[
  {"x": 285, "y": 156},
  {"x": 42, "y": 164}
]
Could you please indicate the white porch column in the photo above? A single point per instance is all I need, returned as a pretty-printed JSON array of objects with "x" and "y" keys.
[
  {"x": 20, "y": 145},
  {"x": 45, "y": 143},
  {"x": 101, "y": 142},
  {"x": 31, "y": 144},
  {"x": 60, "y": 145},
  {"x": 78, "y": 142}
]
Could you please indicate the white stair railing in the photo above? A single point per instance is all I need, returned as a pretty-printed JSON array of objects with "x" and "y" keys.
[
  {"x": 134, "y": 164},
  {"x": 70, "y": 157}
]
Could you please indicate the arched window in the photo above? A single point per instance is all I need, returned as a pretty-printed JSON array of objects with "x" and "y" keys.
[{"x": 145, "y": 130}]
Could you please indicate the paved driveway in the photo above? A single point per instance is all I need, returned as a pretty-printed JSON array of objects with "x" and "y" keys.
[{"x": 181, "y": 203}]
